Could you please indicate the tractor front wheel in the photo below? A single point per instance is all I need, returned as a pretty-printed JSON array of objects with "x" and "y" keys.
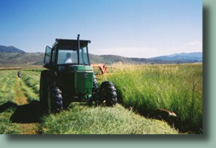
[
  {"x": 108, "y": 93},
  {"x": 55, "y": 103}
]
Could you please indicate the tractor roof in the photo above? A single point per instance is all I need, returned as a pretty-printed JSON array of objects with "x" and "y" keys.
[{"x": 66, "y": 42}]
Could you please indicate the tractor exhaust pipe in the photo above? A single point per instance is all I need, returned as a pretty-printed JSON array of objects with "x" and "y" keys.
[
  {"x": 78, "y": 43},
  {"x": 78, "y": 36}
]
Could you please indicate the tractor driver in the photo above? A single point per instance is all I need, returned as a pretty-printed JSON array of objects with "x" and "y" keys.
[{"x": 68, "y": 58}]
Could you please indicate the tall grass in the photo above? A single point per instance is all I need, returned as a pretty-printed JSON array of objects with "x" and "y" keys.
[{"x": 174, "y": 87}]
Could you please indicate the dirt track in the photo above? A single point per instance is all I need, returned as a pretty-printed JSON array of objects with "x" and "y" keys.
[
  {"x": 23, "y": 111},
  {"x": 20, "y": 98}
]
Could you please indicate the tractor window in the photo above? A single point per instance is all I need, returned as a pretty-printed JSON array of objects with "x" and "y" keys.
[
  {"x": 67, "y": 57},
  {"x": 83, "y": 55},
  {"x": 47, "y": 55}
]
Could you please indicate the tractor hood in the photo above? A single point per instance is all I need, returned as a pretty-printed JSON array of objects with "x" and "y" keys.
[{"x": 80, "y": 68}]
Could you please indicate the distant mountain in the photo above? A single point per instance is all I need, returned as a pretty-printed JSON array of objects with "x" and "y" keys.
[
  {"x": 21, "y": 58},
  {"x": 12, "y": 55},
  {"x": 109, "y": 59},
  {"x": 181, "y": 57},
  {"x": 37, "y": 59},
  {"x": 10, "y": 49}
]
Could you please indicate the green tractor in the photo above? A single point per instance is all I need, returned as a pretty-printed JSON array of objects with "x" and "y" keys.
[{"x": 70, "y": 78}]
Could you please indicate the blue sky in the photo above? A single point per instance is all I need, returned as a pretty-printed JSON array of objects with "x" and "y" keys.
[{"x": 131, "y": 28}]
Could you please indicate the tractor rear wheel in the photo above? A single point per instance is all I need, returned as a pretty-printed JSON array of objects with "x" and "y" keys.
[
  {"x": 55, "y": 103},
  {"x": 108, "y": 93},
  {"x": 44, "y": 84}
]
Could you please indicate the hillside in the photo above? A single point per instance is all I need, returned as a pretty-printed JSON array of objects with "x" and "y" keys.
[
  {"x": 37, "y": 59},
  {"x": 21, "y": 58},
  {"x": 13, "y": 55},
  {"x": 10, "y": 49},
  {"x": 182, "y": 57},
  {"x": 108, "y": 59}
]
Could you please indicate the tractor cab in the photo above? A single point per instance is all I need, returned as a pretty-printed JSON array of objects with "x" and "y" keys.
[
  {"x": 68, "y": 61},
  {"x": 65, "y": 53}
]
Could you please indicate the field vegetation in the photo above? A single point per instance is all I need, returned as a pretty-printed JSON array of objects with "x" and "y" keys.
[
  {"x": 141, "y": 90},
  {"x": 177, "y": 88}
]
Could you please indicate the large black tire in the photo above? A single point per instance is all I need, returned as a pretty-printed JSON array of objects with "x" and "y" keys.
[
  {"x": 44, "y": 84},
  {"x": 107, "y": 94},
  {"x": 50, "y": 95},
  {"x": 55, "y": 103}
]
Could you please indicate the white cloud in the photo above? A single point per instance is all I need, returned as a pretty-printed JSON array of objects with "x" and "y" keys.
[{"x": 194, "y": 43}]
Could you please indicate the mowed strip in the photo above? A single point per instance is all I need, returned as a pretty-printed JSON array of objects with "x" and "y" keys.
[
  {"x": 21, "y": 99},
  {"x": 30, "y": 85},
  {"x": 28, "y": 91}
]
